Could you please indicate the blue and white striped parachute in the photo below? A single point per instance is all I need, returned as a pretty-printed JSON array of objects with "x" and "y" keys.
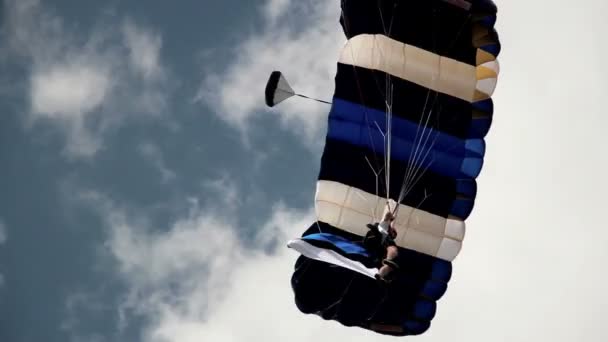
[{"x": 407, "y": 124}]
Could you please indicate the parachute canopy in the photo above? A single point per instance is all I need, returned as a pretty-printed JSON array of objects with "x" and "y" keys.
[
  {"x": 277, "y": 89},
  {"x": 411, "y": 107}
]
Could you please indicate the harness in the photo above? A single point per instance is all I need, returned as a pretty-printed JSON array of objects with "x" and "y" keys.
[{"x": 377, "y": 240}]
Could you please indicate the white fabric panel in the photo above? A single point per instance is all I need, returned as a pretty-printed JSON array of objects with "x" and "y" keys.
[
  {"x": 454, "y": 229},
  {"x": 494, "y": 65},
  {"x": 283, "y": 85},
  {"x": 350, "y": 209},
  {"x": 487, "y": 86},
  {"x": 442, "y": 74},
  {"x": 449, "y": 249},
  {"x": 329, "y": 256},
  {"x": 283, "y": 91}
]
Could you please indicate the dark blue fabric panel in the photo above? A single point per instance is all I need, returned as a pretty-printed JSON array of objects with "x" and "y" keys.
[
  {"x": 425, "y": 310},
  {"x": 487, "y": 7},
  {"x": 470, "y": 166},
  {"x": 461, "y": 208},
  {"x": 339, "y": 244},
  {"x": 480, "y": 126},
  {"x": 439, "y": 162},
  {"x": 480, "y": 120},
  {"x": 415, "y": 132},
  {"x": 434, "y": 289},
  {"x": 489, "y": 21},
  {"x": 467, "y": 188},
  {"x": 348, "y": 248},
  {"x": 484, "y": 105},
  {"x": 491, "y": 48},
  {"x": 416, "y": 327},
  {"x": 472, "y": 147}
]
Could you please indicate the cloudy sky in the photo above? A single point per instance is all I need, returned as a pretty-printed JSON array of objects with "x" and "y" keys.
[{"x": 146, "y": 193}]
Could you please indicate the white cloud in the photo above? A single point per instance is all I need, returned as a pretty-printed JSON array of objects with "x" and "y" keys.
[
  {"x": 274, "y": 9},
  {"x": 193, "y": 280},
  {"x": 225, "y": 191},
  {"x": 75, "y": 304},
  {"x": 70, "y": 90},
  {"x": 79, "y": 81},
  {"x": 154, "y": 155},
  {"x": 144, "y": 50},
  {"x": 306, "y": 54},
  {"x": 70, "y": 94},
  {"x": 3, "y": 233}
]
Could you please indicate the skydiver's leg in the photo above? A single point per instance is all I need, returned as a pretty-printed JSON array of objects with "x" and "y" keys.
[
  {"x": 391, "y": 252},
  {"x": 389, "y": 264}
]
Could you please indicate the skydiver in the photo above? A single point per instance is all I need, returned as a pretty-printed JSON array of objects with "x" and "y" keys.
[{"x": 381, "y": 240}]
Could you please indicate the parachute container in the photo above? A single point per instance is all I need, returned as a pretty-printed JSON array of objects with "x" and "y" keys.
[{"x": 411, "y": 107}]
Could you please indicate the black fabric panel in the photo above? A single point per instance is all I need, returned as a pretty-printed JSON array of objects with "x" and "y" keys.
[
  {"x": 335, "y": 293},
  {"x": 344, "y": 163},
  {"x": 352, "y": 299},
  {"x": 411, "y": 101},
  {"x": 432, "y": 25},
  {"x": 271, "y": 87}
]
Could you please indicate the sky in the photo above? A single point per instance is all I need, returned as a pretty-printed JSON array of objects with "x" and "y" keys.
[{"x": 147, "y": 193}]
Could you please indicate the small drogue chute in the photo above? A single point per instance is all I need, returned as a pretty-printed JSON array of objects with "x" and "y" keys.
[{"x": 279, "y": 90}]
